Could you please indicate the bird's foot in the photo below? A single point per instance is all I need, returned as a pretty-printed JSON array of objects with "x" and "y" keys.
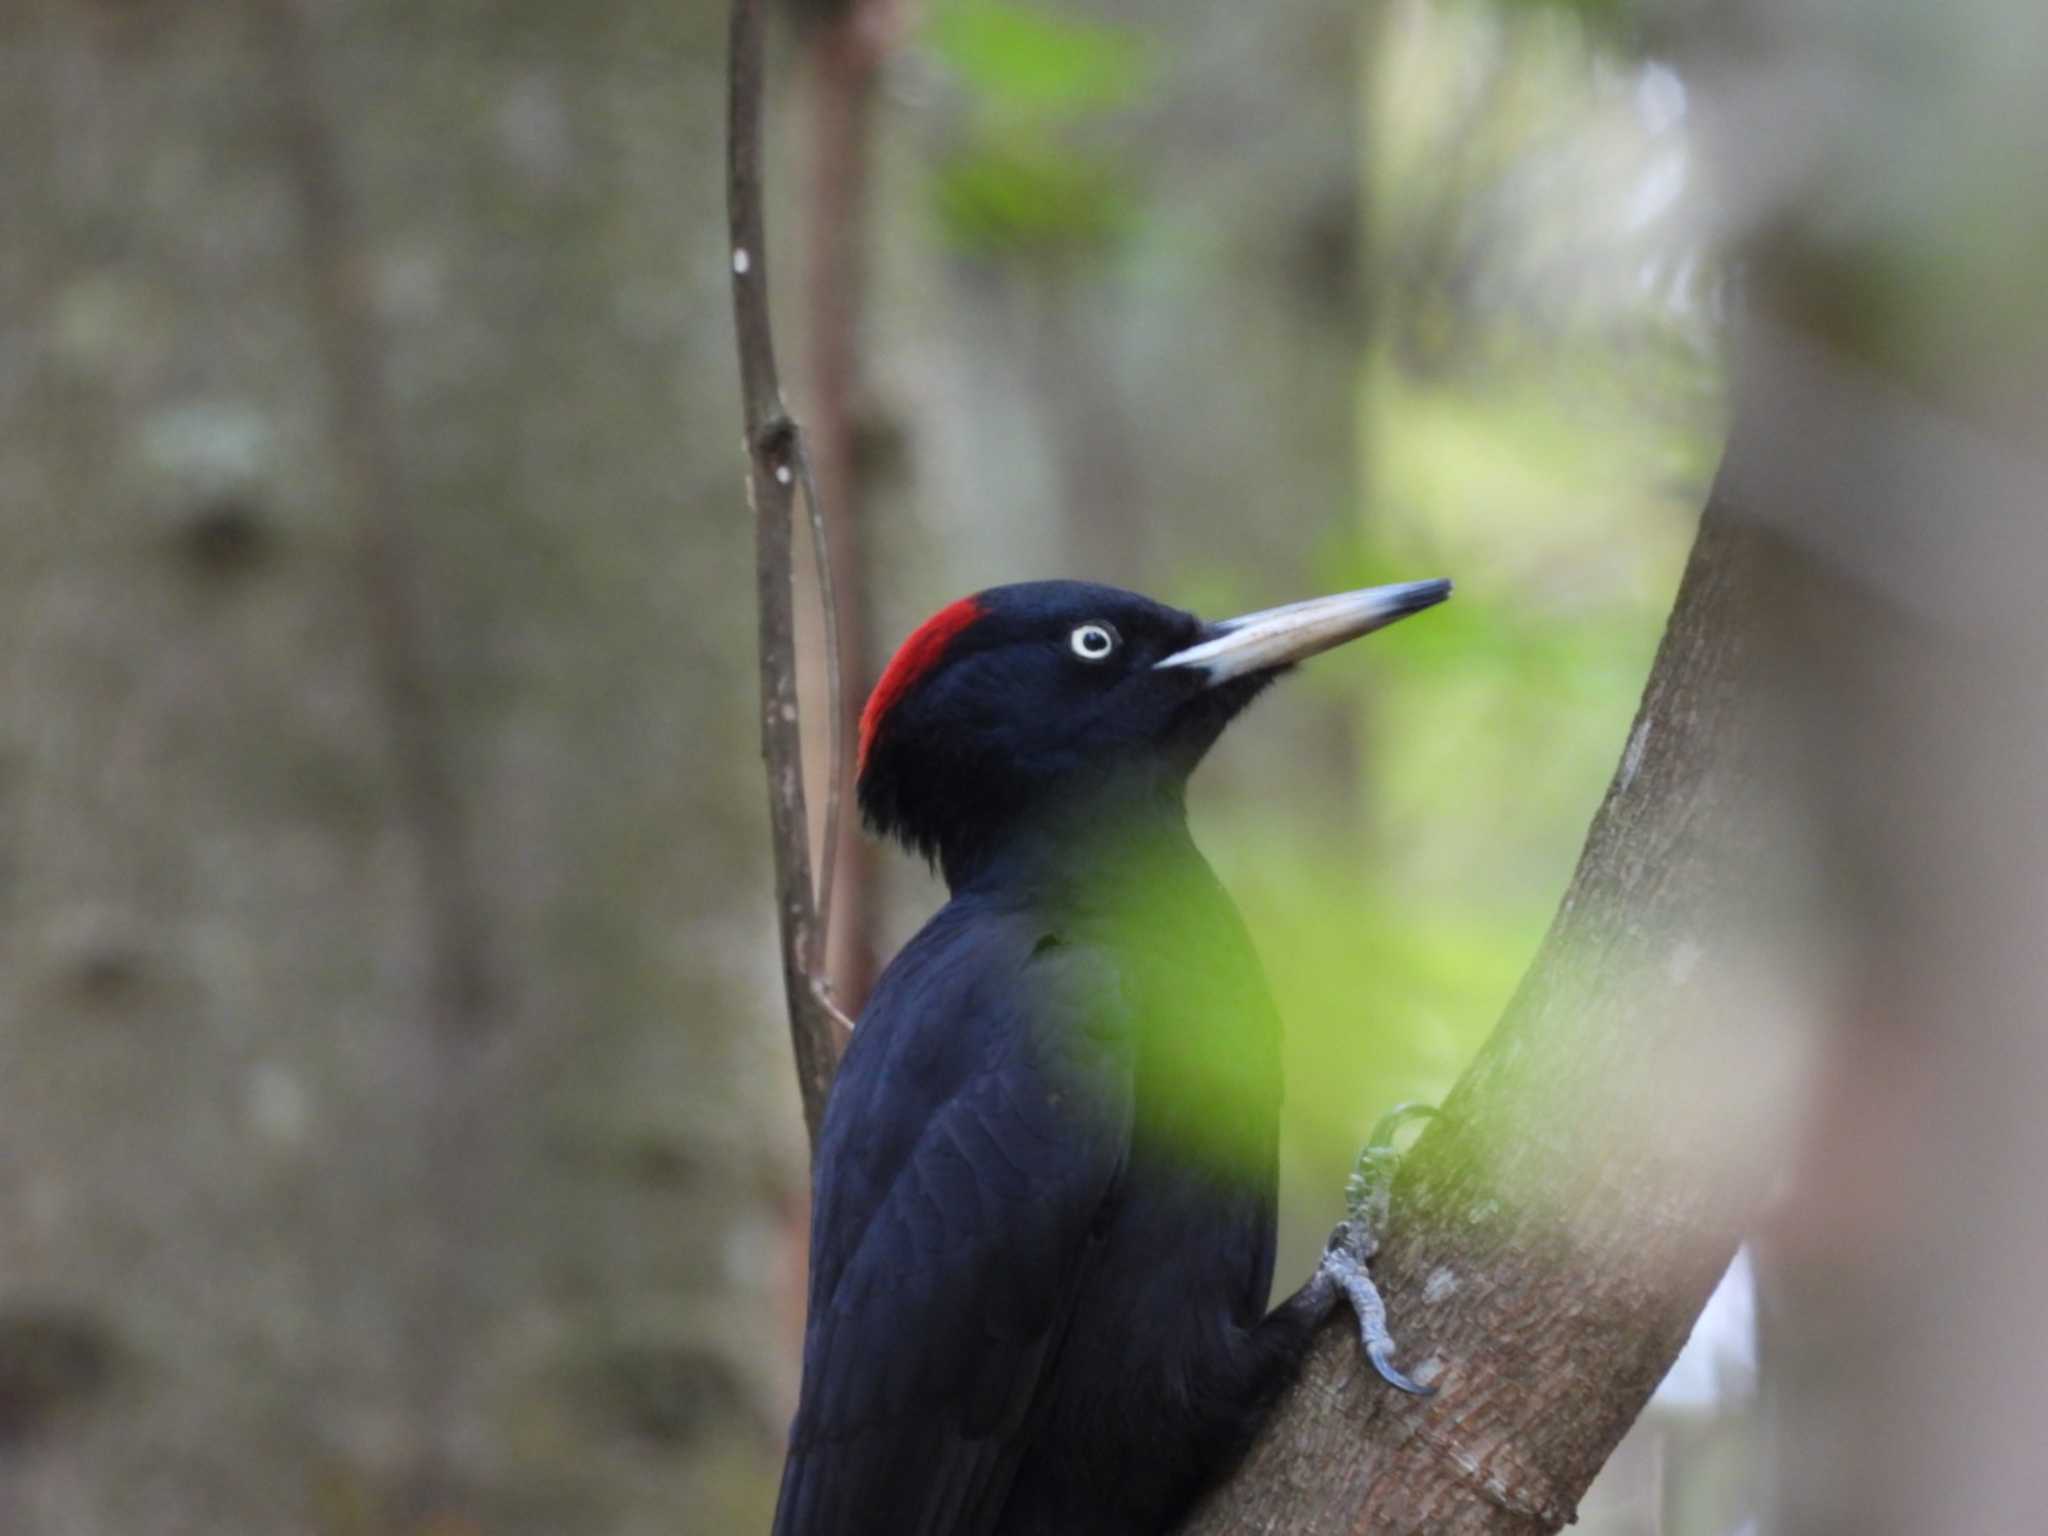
[{"x": 1346, "y": 1265}]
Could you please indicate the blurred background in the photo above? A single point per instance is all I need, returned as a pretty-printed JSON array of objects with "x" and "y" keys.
[{"x": 397, "y": 1130}]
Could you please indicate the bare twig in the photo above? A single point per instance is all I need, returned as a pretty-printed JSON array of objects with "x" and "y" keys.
[
  {"x": 835, "y": 684},
  {"x": 775, "y": 461}
]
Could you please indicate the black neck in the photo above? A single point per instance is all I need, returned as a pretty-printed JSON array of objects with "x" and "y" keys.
[{"x": 1078, "y": 849}]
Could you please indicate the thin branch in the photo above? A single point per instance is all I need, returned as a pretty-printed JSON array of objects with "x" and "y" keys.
[
  {"x": 774, "y": 462},
  {"x": 836, "y": 753}
]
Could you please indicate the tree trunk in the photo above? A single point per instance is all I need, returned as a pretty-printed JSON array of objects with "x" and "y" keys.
[
  {"x": 1557, "y": 1230},
  {"x": 385, "y": 1132}
]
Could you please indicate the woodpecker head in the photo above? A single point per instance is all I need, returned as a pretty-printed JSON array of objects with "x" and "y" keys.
[{"x": 1033, "y": 700}]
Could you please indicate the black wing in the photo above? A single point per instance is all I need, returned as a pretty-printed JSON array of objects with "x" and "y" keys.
[{"x": 978, "y": 1125}]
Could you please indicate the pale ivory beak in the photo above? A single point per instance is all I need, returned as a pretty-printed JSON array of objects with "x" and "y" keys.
[{"x": 1278, "y": 637}]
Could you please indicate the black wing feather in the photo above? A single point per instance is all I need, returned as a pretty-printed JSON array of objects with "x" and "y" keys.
[{"x": 980, "y": 1120}]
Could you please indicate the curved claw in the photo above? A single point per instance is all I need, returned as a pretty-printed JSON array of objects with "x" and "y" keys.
[
  {"x": 1381, "y": 1356},
  {"x": 1391, "y": 1122}
]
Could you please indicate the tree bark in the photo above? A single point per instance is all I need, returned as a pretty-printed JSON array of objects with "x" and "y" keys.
[
  {"x": 288, "y": 1239},
  {"x": 1556, "y": 1232}
]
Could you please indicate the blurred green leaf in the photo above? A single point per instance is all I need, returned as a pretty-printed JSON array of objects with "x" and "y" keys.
[
  {"x": 1017, "y": 183},
  {"x": 1024, "y": 195},
  {"x": 1025, "y": 58}
]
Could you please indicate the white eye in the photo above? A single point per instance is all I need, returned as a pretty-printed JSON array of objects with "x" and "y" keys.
[{"x": 1093, "y": 642}]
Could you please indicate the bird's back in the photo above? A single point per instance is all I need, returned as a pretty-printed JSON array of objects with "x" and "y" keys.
[
  {"x": 1043, "y": 1221},
  {"x": 977, "y": 1125}
]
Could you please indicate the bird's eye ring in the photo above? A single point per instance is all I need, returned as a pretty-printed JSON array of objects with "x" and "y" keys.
[{"x": 1093, "y": 641}]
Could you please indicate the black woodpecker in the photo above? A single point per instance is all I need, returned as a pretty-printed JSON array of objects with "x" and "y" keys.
[{"x": 1044, "y": 1201}]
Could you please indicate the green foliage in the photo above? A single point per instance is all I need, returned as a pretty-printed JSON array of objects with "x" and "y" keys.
[
  {"x": 1559, "y": 492},
  {"x": 1540, "y": 424},
  {"x": 1023, "y": 59},
  {"x": 1023, "y": 180},
  {"x": 1017, "y": 193}
]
